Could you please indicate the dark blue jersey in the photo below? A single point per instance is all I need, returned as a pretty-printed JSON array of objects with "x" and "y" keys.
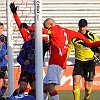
[
  {"x": 27, "y": 53},
  {"x": 3, "y": 52}
]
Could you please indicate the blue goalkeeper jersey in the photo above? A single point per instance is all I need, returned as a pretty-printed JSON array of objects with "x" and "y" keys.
[
  {"x": 22, "y": 97},
  {"x": 27, "y": 53},
  {"x": 3, "y": 52}
]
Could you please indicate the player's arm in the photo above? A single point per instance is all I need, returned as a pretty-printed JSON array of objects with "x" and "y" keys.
[
  {"x": 44, "y": 31},
  {"x": 94, "y": 44},
  {"x": 73, "y": 34},
  {"x": 70, "y": 47},
  {"x": 21, "y": 56},
  {"x": 22, "y": 30}
]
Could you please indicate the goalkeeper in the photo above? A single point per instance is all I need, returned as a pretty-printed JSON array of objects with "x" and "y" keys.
[
  {"x": 84, "y": 60},
  {"x": 22, "y": 28}
]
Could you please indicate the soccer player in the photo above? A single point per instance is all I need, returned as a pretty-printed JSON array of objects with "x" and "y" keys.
[
  {"x": 3, "y": 60},
  {"x": 23, "y": 26},
  {"x": 84, "y": 60},
  {"x": 26, "y": 59},
  {"x": 58, "y": 50}
]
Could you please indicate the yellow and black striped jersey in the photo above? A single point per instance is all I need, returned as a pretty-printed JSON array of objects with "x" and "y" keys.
[{"x": 82, "y": 53}]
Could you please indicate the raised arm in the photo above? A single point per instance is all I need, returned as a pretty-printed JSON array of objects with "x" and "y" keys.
[
  {"x": 44, "y": 31},
  {"x": 22, "y": 30}
]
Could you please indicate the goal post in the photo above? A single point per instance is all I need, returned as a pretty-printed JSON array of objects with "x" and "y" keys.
[
  {"x": 10, "y": 50},
  {"x": 38, "y": 49}
]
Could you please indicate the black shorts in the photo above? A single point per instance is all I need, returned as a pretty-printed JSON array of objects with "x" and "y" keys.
[
  {"x": 85, "y": 68},
  {"x": 26, "y": 77},
  {"x": 3, "y": 70}
]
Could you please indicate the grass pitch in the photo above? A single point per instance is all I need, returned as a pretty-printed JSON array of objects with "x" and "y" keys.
[{"x": 68, "y": 95}]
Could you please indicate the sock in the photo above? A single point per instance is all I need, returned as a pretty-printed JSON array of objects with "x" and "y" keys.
[
  {"x": 54, "y": 96},
  {"x": 45, "y": 94},
  {"x": 76, "y": 92},
  {"x": 87, "y": 93},
  {"x": 3, "y": 90}
]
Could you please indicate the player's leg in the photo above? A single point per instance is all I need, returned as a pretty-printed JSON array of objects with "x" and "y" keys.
[
  {"x": 4, "y": 80},
  {"x": 89, "y": 76},
  {"x": 88, "y": 90},
  {"x": 31, "y": 80},
  {"x": 77, "y": 75},
  {"x": 22, "y": 83},
  {"x": 52, "y": 79},
  {"x": 76, "y": 86},
  {"x": 45, "y": 92}
]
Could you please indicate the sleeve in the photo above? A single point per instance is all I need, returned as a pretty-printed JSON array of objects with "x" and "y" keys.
[
  {"x": 70, "y": 47},
  {"x": 95, "y": 49},
  {"x": 23, "y": 32},
  {"x": 94, "y": 44},
  {"x": 96, "y": 38},
  {"x": 21, "y": 55},
  {"x": 73, "y": 34},
  {"x": 44, "y": 31}
]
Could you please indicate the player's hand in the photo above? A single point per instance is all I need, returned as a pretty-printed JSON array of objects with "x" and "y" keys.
[
  {"x": 27, "y": 62},
  {"x": 13, "y": 8},
  {"x": 6, "y": 57},
  {"x": 24, "y": 25},
  {"x": 82, "y": 43}
]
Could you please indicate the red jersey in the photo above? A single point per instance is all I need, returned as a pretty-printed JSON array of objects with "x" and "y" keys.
[
  {"x": 58, "y": 41},
  {"x": 24, "y": 33}
]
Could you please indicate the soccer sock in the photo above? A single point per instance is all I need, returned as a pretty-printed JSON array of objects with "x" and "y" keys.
[
  {"x": 76, "y": 92},
  {"x": 87, "y": 93},
  {"x": 54, "y": 96},
  {"x": 45, "y": 94}
]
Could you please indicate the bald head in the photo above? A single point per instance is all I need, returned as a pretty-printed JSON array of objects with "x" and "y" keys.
[{"x": 49, "y": 22}]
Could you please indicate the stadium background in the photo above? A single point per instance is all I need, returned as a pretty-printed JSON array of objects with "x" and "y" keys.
[{"x": 66, "y": 13}]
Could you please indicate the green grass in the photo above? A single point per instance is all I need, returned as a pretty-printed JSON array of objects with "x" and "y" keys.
[{"x": 68, "y": 95}]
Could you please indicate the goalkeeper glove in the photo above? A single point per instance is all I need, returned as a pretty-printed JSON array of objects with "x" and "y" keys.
[
  {"x": 23, "y": 25},
  {"x": 13, "y": 8}
]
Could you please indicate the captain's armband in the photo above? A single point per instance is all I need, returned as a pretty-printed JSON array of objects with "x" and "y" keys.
[{"x": 49, "y": 32}]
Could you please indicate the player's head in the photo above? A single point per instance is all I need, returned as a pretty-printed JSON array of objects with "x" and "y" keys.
[
  {"x": 82, "y": 24},
  {"x": 1, "y": 27},
  {"x": 48, "y": 23},
  {"x": 32, "y": 33}
]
